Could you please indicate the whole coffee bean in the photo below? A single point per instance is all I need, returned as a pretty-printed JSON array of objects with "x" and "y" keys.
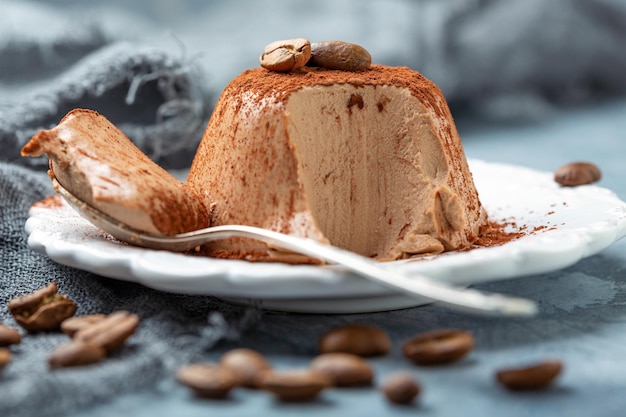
[
  {"x": 358, "y": 339},
  {"x": 42, "y": 310},
  {"x": 577, "y": 173},
  {"x": 111, "y": 332},
  {"x": 534, "y": 377},
  {"x": 72, "y": 325},
  {"x": 294, "y": 385},
  {"x": 344, "y": 369},
  {"x": 207, "y": 380},
  {"x": 401, "y": 388},
  {"x": 438, "y": 346},
  {"x": 339, "y": 55},
  {"x": 286, "y": 55},
  {"x": 246, "y": 364},
  {"x": 75, "y": 353},
  {"x": 5, "y": 357},
  {"x": 9, "y": 336}
]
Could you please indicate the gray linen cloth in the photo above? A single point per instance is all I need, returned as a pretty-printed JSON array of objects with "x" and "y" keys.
[
  {"x": 52, "y": 62},
  {"x": 55, "y": 59}
]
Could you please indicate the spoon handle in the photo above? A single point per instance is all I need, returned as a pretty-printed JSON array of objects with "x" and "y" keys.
[{"x": 415, "y": 285}]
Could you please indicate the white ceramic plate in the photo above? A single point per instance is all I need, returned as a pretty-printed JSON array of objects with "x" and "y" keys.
[{"x": 564, "y": 225}]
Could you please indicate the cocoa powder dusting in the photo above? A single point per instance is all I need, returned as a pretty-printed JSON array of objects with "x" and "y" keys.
[
  {"x": 496, "y": 234},
  {"x": 263, "y": 83},
  {"x": 52, "y": 201}
]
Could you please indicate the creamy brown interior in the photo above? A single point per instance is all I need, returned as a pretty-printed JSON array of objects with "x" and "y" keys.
[{"x": 366, "y": 156}]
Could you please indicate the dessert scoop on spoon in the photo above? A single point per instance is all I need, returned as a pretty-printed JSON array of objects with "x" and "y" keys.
[{"x": 414, "y": 285}]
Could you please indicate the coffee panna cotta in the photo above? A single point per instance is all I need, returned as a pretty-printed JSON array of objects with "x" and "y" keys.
[{"x": 368, "y": 160}]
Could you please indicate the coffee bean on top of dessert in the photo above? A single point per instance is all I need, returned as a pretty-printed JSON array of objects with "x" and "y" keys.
[
  {"x": 291, "y": 54},
  {"x": 339, "y": 55},
  {"x": 286, "y": 55}
]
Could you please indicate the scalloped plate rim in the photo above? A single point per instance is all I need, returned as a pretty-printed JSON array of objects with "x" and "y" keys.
[{"x": 569, "y": 231}]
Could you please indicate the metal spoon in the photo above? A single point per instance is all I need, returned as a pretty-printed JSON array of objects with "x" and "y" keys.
[{"x": 415, "y": 285}]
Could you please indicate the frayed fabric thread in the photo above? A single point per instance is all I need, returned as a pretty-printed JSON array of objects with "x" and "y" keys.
[{"x": 218, "y": 328}]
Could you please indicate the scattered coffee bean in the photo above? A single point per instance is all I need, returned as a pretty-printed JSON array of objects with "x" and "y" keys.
[
  {"x": 401, "y": 388},
  {"x": 72, "y": 325},
  {"x": 9, "y": 336},
  {"x": 207, "y": 380},
  {"x": 577, "y": 173},
  {"x": 339, "y": 55},
  {"x": 359, "y": 339},
  {"x": 344, "y": 369},
  {"x": 286, "y": 55},
  {"x": 246, "y": 364},
  {"x": 75, "y": 353},
  {"x": 438, "y": 346},
  {"x": 111, "y": 332},
  {"x": 294, "y": 385},
  {"x": 535, "y": 377},
  {"x": 42, "y": 310},
  {"x": 5, "y": 357}
]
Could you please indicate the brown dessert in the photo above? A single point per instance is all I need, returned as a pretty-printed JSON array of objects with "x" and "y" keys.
[
  {"x": 369, "y": 161},
  {"x": 97, "y": 163}
]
